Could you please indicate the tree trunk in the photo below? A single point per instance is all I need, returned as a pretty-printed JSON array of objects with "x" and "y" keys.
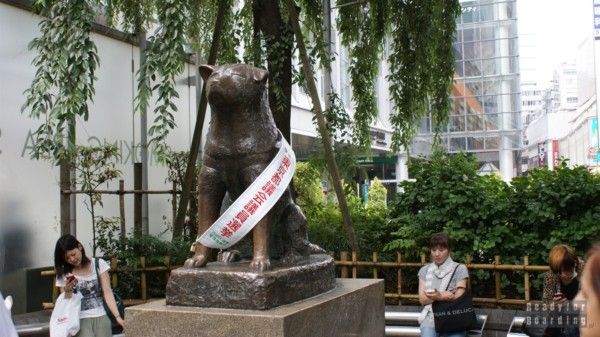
[
  {"x": 329, "y": 157},
  {"x": 191, "y": 164},
  {"x": 268, "y": 20}
]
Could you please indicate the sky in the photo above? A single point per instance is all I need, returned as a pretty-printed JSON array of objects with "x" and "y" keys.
[{"x": 550, "y": 32}]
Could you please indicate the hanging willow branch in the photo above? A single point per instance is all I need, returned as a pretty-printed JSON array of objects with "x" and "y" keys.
[
  {"x": 420, "y": 58},
  {"x": 164, "y": 60},
  {"x": 63, "y": 84}
]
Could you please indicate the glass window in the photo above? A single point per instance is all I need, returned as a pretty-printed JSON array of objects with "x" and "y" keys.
[
  {"x": 473, "y": 88},
  {"x": 458, "y": 106},
  {"x": 492, "y": 142},
  {"x": 492, "y": 121},
  {"x": 474, "y": 105},
  {"x": 473, "y": 68},
  {"x": 490, "y": 103},
  {"x": 491, "y": 87},
  {"x": 509, "y": 8},
  {"x": 456, "y": 123},
  {"x": 515, "y": 121},
  {"x": 458, "y": 54},
  {"x": 471, "y": 34},
  {"x": 488, "y": 33},
  {"x": 488, "y": 49},
  {"x": 513, "y": 47},
  {"x": 515, "y": 141},
  {"x": 475, "y": 143},
  {"x": 486, "y": 13},
  {"x": 457, "y": 144},
  {"x": 470, "y": 12},
  {"x": 459, "y": 69},
  {"x": 472, "y": 50},
  {"x": 474, "y": 123},
  {"x": 457, "y": 36},
  {"x": 514, "y": 65},
  {"x": 489, "y": 67}
]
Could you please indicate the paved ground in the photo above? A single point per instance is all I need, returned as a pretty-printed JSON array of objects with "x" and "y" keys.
[{"x": 34, "y": 324}]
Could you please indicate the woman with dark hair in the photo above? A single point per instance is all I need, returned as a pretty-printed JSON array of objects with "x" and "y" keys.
[
  {"x": 75, "y": 272},
  {"x": 441, "y": 280},
  {"x": 589, "y": 294}
]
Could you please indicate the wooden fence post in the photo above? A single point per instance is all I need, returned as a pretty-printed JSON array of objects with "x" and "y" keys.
[
  {"x": 143, "y": 278},
  {"x": 167, "y": 262},
  {"x": 344, "y": 269},
  {"x": 137, "y": 199},
  {"x": 399, "y": 261},
  {"x": 122, "y": 207},
  {"x": 468, "y": 260},
  {"x": 498, "y": 278},
  {"x": 526, "y": 278},
  {"x": 354, "y": 269},
  {"x": 113, "y": 268},
  {"x": 375, "y": 273}
]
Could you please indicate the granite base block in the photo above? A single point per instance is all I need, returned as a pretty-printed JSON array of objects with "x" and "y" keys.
[
  {"x": 355, "y": 307},
  {"x": 235, "y": 286}
]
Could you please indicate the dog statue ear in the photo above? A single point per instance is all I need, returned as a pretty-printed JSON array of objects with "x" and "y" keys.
[
  {"x": 206, "y": 70},
  {"x": 260, "y": 75}
]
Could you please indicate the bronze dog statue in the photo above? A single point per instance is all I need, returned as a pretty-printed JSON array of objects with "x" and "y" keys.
[{"x": 242, "y": 139}]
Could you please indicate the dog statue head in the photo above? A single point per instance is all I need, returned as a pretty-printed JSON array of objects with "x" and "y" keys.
[{"x": 234, "y": 85}]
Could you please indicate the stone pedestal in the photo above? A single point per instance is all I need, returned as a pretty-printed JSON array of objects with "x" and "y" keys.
[
  {"x": 355, "y": 307},
  {"x": 235, "y": 286}
]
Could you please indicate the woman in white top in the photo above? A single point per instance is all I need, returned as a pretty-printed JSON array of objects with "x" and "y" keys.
[
  {"x": 75, "y": 272},
  {"x": 434, "y": 279}
]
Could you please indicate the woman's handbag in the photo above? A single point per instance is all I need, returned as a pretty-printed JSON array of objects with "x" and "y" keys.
[
  {"x": 115, "y": 327},
  {"x": 456, "y": 315},
  {"x": 64, "y": 321}
]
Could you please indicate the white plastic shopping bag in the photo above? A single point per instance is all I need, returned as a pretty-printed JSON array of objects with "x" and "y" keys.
[
  {"x": 7, "y": 328},
  {"x": 64, "y": 321}
]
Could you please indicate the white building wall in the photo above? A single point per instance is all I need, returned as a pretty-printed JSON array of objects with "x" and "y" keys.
[{"x": 29, "y": 189}]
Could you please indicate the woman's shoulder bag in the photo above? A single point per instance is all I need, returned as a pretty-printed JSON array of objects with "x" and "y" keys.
[{"x": 456, "y": 315}]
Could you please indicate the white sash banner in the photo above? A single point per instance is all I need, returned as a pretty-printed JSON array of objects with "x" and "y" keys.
[{"x": 254, "y": 203}]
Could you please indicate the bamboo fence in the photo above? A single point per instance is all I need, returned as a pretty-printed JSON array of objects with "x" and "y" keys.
[{"x": 348, "y": 267}]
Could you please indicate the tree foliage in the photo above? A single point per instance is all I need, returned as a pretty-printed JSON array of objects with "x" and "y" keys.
[
  {"x": 325, "y": 220},
  {"x": 418, "y": 36},
  {"x": 486, "y": 216},
  {"x": 95, "y": 166},
  {"x": 65, "y": 63},
  {"x": 415, "y": 35}
]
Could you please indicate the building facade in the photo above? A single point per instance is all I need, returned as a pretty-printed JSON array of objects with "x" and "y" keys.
[{"x": 485, "y": 115}]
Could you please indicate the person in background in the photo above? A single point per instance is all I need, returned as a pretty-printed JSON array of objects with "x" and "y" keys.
[
  {"x": 589, "y": 294},
  {"x": 561, "y": 283},
  {"x": 76, "y": 272},
  {"x": 433, "y": 279}
]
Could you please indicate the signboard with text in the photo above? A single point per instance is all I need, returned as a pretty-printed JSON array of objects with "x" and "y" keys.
[{"x": 555, "y": 153}]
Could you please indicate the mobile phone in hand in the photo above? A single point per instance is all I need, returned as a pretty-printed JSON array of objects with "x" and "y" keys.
[{"x": 70, "y": 278}]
